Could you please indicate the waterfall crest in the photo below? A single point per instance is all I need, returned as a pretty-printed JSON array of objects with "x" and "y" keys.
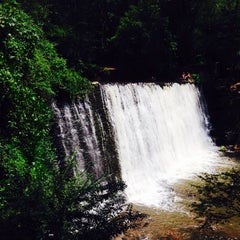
[{"x": 161, "y": 136}]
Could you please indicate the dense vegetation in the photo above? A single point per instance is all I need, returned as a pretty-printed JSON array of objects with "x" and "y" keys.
[
  {"x": 40, "y": 199},
  {"x": 218, "y": 200},
  {"x": 49, "y": 48},
  {"x": 152, "y": 40},
  {"x": 182, "y": 34}
]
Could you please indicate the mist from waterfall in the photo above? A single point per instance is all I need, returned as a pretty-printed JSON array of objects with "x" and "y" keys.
[{"x": 162, "y": 136}]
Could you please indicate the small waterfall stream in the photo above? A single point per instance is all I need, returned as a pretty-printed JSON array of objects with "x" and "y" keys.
[
  {"x": 78, "y": 134},
  {"x": 158, "y": 136}
]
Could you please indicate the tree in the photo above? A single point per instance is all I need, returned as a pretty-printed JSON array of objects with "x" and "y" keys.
[
  {"x": 217, "y": 36},
  {"x": 218, "y": 198},
  {"x": 31, "y": 73},
  {"x": 40, "y": 199},
  {"x": 143, "y": 44}
]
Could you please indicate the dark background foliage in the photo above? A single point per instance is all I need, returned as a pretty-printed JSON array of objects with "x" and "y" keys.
[{"x": 153, "y": 40}]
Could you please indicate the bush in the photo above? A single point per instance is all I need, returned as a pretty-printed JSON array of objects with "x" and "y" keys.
[
  {"x": 38, "y": 198},
  {"x": 218, "y": 198}
]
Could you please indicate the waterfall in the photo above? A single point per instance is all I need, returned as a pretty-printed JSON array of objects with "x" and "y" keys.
[
  {"x": 83, "y": 131},
  {"x": 161, "y": 136},
  {"x": 153, "y": 136},
  {"x": 78, "y": 136}
]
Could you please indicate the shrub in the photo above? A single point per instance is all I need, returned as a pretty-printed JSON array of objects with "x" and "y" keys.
[{"x": 218, "y": 197}]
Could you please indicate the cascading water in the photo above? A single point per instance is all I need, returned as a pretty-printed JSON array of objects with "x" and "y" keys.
[
  {"x": 78, "y": 134},
  {"x": 161, "y": 136},
  {"x": 83, "y": 131},
  {"x": 158, "y": 135}
]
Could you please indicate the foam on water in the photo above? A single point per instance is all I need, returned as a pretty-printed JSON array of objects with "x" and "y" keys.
[{"x": 162, "y": 136}]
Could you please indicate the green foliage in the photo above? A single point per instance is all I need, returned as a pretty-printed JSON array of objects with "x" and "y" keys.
[
  {"x": 50, "y": 74},
  {"x": 26, "y": 53},
  {"x": 89, "y": 209},
  {"x": 24, "y": 189},
  {"x": 158, "y": 36},
  {"x": 142, "y": 40},
  {"x": 218, "y": 197},
  {"x": 216, "y": 32},
  {"x": 39, "y": 200},
  {"x": 196, "y": 78},
  {"x": 31, "y": 72}
]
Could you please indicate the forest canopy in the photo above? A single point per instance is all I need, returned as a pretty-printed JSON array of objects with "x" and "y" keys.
[{"x": 156, "y": 36}]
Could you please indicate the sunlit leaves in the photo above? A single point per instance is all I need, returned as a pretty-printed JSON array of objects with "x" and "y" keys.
[{"x": 31, "y": 73}]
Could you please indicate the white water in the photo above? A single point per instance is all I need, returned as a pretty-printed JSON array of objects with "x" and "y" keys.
[
  {"x": 162, "y": 137},
  {"x": 78, "y": 134}
]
